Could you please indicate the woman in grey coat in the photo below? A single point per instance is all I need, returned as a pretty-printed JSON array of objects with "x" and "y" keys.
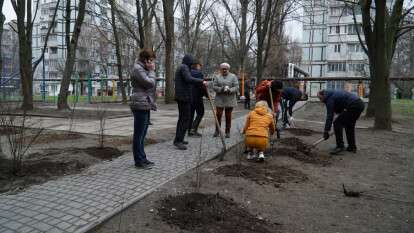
[
  {"x": 226, "y": 86},
  {"x": 142, "y": 102}
]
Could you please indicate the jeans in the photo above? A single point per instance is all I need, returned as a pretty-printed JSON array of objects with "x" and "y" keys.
[
  {"x": 347, "y": 119},
  {"x": 141, "y": 120},
  {"x": 197, "y": 106},
  {"x": 228, "y": 112},
  {"x": 184, "y": 119}
]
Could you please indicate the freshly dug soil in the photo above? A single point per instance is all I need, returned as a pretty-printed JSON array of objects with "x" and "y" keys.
[
  {"x": 301, "y": 151},
  {"x": 35, "y": 172},
  {"x": 209, "y": 213},
  {"x": 301, "y": 131},
  {"x": 263, "y": 173},
  {"x": 51, "y": 163},
  {"x": 105, "y": 153}
]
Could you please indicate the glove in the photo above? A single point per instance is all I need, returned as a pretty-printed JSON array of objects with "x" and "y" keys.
[
  {"x": 326, "y": 135},
  {"x": 226, "y": 89},
  {"x": 291, "y": 119}
]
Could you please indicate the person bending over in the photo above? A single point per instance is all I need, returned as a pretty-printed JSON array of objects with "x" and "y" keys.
[
  {"x": 348, "y": 108},
  {"x": 290, "y": 96}
]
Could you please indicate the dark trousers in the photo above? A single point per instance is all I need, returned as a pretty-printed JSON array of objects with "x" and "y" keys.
[
  {"x": 184, "y": 119},
  {"x": 228, "y": 112},
  {"x": 247, "y": 103},
  {"x": 347, "y": 119},
  {"x": 285, "y": 117},
  {"x": 197, "y": 106},
  {"x": 141, "y": 120}
]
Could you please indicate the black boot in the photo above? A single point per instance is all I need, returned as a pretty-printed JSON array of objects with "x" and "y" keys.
[{"x": 337, "y": 150}]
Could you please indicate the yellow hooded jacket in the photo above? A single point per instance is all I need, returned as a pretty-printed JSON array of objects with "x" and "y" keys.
[{"x": 259, "y": 122}]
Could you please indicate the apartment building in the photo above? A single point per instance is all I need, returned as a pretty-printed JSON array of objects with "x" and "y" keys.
[
  {"x": 330, "y": 44},
  {"x": 95, "y": 57}
]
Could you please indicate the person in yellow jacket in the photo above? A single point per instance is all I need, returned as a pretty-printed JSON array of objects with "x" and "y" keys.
[{"x": 259, "y": 125}]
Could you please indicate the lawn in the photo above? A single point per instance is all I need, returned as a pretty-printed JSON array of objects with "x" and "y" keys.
[{"x": 404, "y": 107}]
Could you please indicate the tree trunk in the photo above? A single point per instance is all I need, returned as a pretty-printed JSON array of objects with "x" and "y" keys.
[
  {"x": 71, "y": 56},
  {"x": 2, "y": 19},
  {"x": 371, "y": 103},
  {"x": 147, "y": 18},
  {"x": 243, "y": 36},
  {"x": 25, "y": 51},
  {"x": 382, "y": 101},
  {"x": 118, "y": 52},
  {"x": 168, "y": 6}
]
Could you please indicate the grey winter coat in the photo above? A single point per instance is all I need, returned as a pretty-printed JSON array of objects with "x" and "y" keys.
[
  {"x": 143, "y": 88},
  {"x": 224, "y": 99}
]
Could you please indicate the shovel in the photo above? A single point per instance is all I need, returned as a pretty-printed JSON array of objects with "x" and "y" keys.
[
  {"x": 320, "y": 140},
  {"x": 221, "y": 155}
]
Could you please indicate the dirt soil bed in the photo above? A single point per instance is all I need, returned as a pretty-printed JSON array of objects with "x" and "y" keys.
[
  {"x": 299, "y": 150},
  {"x": 210, "y": 213},
  {"x": 302, "y": 131},
  {"x": 263, "y": 173},
  {"x": 51, "y": 163}
]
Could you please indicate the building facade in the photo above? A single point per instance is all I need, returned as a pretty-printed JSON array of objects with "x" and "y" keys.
[
  {"x": 95, "y": 58},
  {"x": 330, "y": 44}
]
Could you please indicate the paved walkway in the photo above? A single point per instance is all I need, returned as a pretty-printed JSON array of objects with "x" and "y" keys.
[{"x": 76, "y": 203}]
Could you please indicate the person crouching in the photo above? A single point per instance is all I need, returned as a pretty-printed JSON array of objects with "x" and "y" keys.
[{"x": 259, "y": 125}]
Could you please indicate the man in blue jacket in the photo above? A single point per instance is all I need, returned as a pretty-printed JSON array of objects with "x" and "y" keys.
[
  {"x": 290, "y": 96},
  {"x": 348, "y": 107},
  {"x": 198, "y": 90},
  {"x": 183, "y": 81}
]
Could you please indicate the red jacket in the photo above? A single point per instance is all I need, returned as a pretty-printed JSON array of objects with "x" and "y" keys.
[{"x": 262, "y": 93}]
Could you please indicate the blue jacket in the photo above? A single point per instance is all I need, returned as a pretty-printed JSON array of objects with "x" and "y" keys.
[
  {"x": 183, "y": 80},
  {"x": 197, "y": 89},
  {"x": 292, "y": 95},
  {"x": 337, "y": 101}
]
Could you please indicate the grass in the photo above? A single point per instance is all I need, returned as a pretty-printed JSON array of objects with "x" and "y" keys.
[{"x": 404, "y": 107}]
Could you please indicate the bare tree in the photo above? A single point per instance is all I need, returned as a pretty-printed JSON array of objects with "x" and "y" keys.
[
  {"x": 23, "y": 10},
  {"x": 2, "y": 20},
  {"x": 383, "y": 25},
  {"x": 193, "y": 19},
  {"x": 71, "y": 46},
  {"x": 403, "y": 64},
  {"x": 117, "y": 50},
  {"x": 243, "y": 34},
  {"x": 168, "y": 6}
]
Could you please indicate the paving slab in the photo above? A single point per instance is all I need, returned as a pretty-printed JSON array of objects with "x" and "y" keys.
[{"x": 76, "y": 203}]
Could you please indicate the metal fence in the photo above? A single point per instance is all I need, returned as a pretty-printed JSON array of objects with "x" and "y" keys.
[{"x": 104, "y": 89}]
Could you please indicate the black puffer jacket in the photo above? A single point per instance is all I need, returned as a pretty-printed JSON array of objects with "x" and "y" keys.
[{"x": 183, "y": 80}]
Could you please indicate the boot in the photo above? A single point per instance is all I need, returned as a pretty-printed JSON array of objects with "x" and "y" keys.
[
  {"x": 351, "y": 149},
  {"x": 337, "y": 150},
  {"x": 180, "y": 145}
]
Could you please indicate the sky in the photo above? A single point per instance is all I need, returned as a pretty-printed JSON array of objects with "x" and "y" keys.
[
  {"x": 293, "y": 28},
  {"x": 8, "y": 11}
]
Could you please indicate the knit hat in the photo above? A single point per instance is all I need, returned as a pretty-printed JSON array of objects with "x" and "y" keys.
[{"x": 224, "y": 65}]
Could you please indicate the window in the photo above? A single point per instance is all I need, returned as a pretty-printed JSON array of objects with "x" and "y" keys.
[
  {"x": 355, "y": 48},
  {"x": 305, "y": 54},
  {"x": 336, "y": 11},
  {"x": 356, "y": 67},
  {"x": 337, "y": 67},
  {"x": 352, "y": 29},
  {"x": 337, "y": 48},
  {"x": 319, "y": 35},
  {"x": 338, "y": 29},
  {"x": 316, "y": 71},
  {"x": 53, "y": 50},
  {"x": 318, "y": 54}
]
